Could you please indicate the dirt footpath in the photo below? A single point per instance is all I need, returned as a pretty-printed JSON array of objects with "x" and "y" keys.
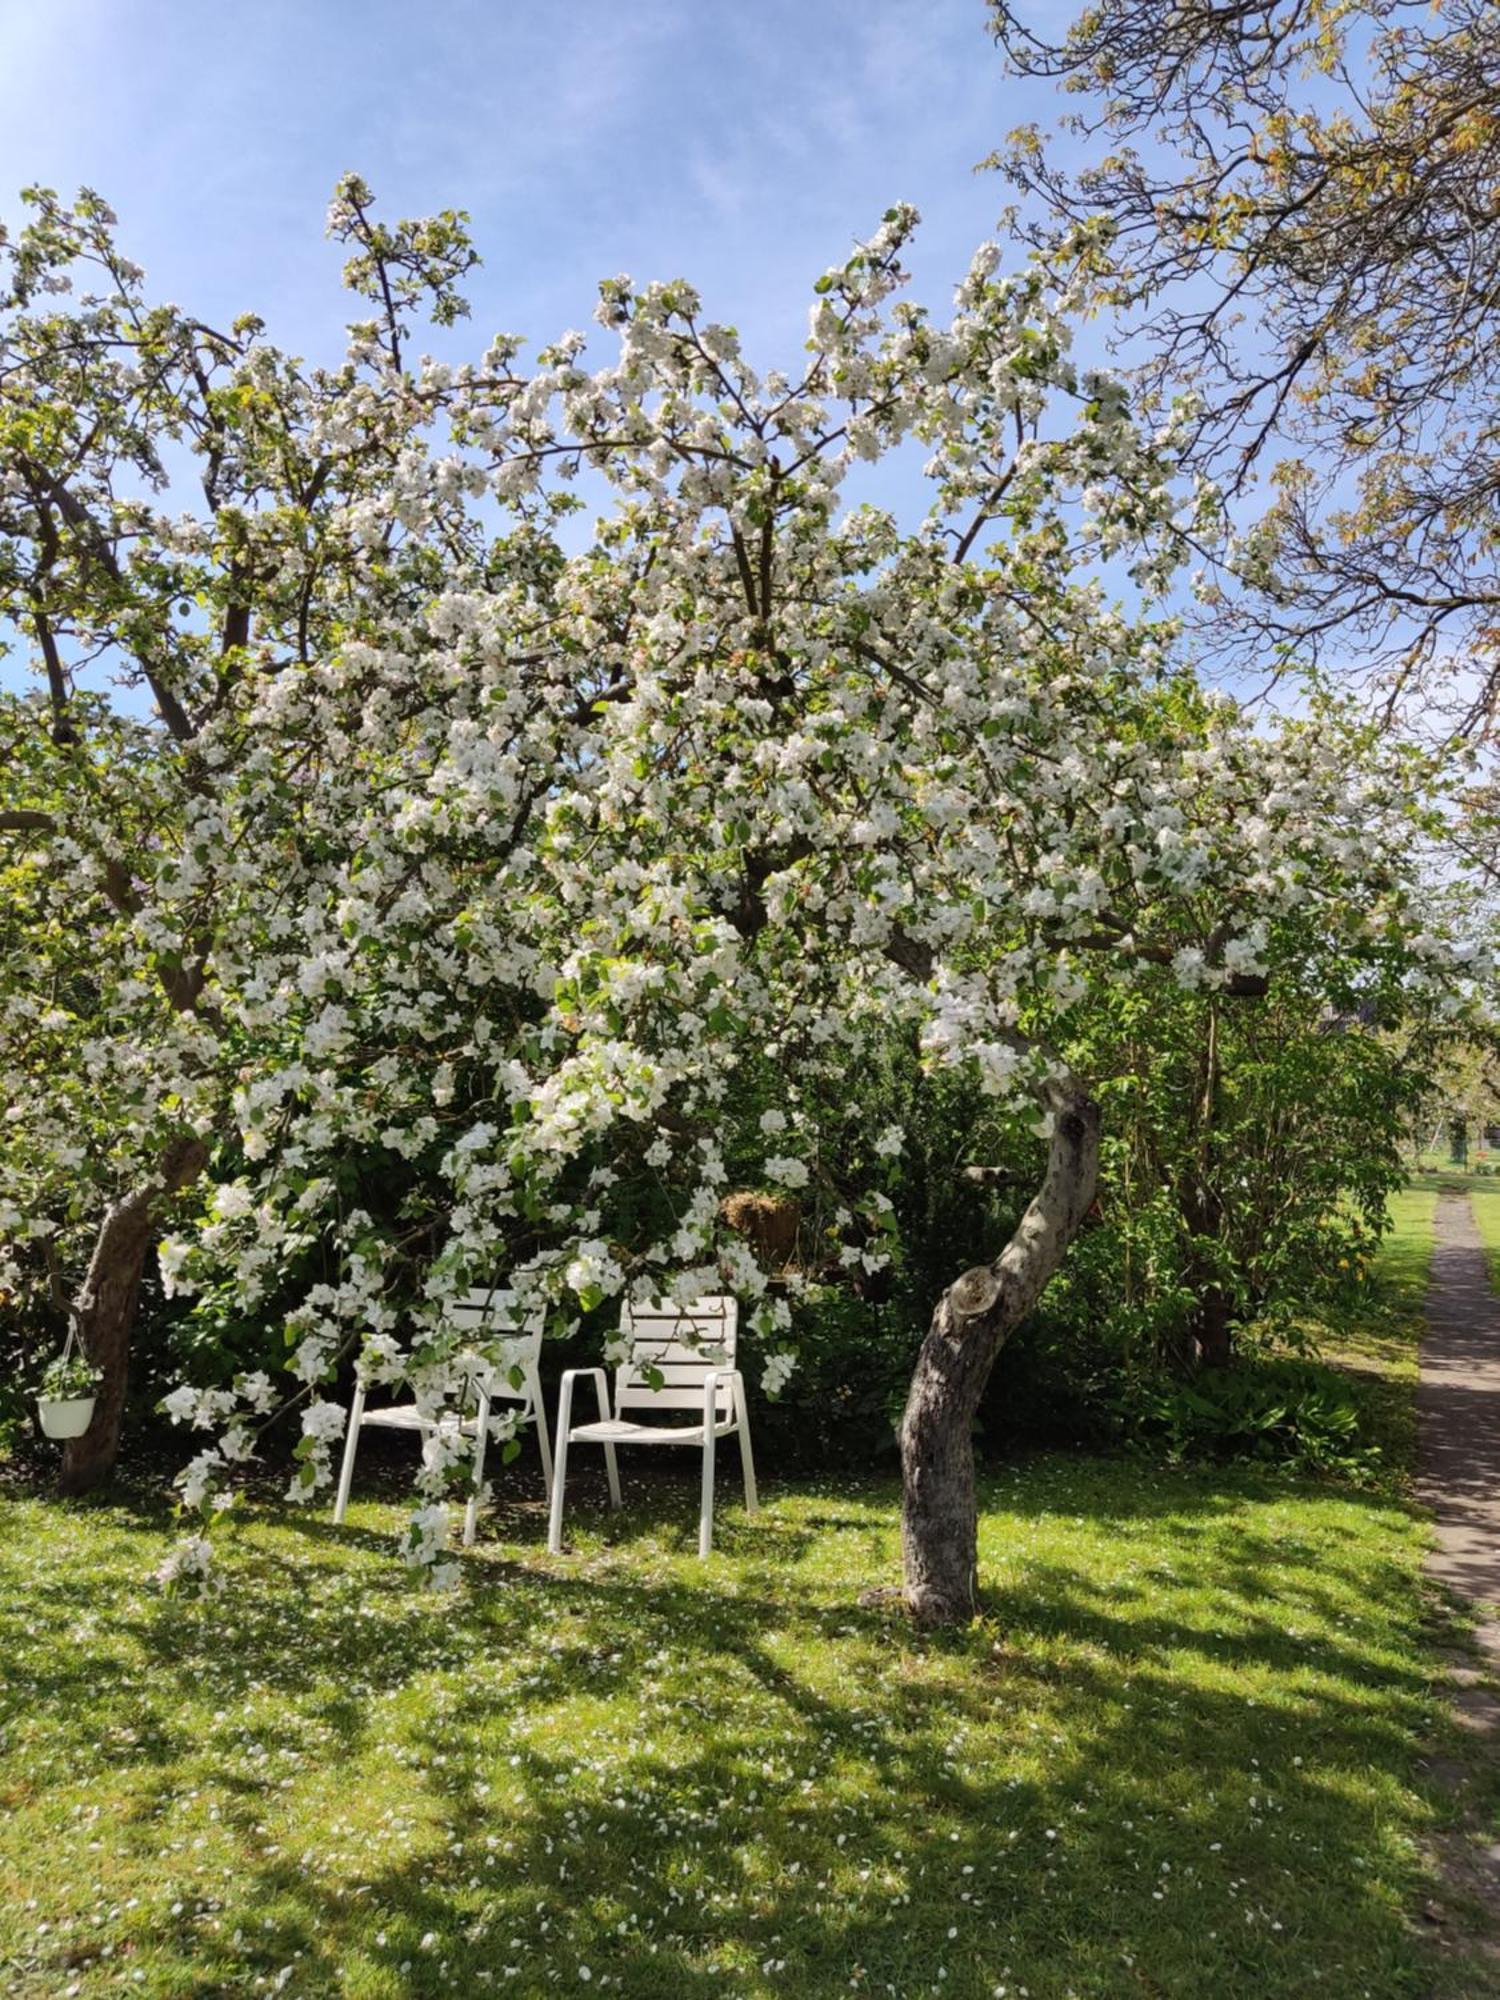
[
  {"x": 1458, "y": 1477},
  {"x": 1458, "y": 1415}
]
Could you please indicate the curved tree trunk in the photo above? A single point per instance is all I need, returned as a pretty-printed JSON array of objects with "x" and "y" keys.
[
  {"x": 972, "y": 1321},
  {"x": 104, "y": 1310}
]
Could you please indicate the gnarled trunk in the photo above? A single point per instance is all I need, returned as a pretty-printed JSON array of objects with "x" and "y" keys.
[
  {"x": 104, "y": 1310},
  {"x": 971, "y": 1323}
]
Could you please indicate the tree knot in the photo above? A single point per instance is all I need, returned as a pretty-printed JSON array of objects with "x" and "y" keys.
[{"x": 974, "y": 1294}]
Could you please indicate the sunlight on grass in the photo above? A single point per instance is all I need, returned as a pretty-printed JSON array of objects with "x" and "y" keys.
[
  {"x": 1177, "y": 1756},
  {"x": 1484, "y": 1199},
  {"x": 1376, "y": 1342}
]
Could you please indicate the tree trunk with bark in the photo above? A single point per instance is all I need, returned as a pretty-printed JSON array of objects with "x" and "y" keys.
[
  {"x": 973, "y": 1320},
  {"x": 104, "y": 1310},
  {"x": 1203, "y": 1211},
  {"x": 1212, "y": 1334}
]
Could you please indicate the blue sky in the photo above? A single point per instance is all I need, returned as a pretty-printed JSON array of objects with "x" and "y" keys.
[{"x": 742, "y": 147}]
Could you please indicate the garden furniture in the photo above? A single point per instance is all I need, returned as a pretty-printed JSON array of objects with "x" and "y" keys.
[
  {"x": 677, "y": 1358},
  {"x": 485, "y": 1313}
]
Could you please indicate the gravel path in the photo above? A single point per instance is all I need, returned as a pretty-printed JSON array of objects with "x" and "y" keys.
[{"x": 1458, "y": 1414}]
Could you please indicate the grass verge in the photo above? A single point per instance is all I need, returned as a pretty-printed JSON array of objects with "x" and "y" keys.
[{"x": 1376, "y": 1344}]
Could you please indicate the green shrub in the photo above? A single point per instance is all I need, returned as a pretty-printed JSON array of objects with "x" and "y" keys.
[
  {"x": 1288, "y": 1410},
  {"x": 854, "y": 1362}
]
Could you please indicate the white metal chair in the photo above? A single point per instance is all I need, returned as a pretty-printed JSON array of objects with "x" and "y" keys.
[
  {"x": 680, "y": 1358},
  {"x": 486, "y": 1314}
]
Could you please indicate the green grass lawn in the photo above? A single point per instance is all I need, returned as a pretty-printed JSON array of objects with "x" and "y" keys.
[
  {"x": 1378, "y": 1342},
  {"x": 1180, "y": 1756},
  {"x": 1484, "y": 1199}
]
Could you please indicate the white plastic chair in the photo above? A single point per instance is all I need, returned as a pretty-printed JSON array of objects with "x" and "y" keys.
[
  {"x": 485, "y": 1314},
  {"x": 690, "y": 1351}
]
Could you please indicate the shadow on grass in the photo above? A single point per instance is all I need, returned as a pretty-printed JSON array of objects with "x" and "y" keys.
[{"x": 804, "y": 1780}]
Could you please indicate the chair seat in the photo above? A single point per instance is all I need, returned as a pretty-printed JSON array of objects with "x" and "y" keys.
[
  {"x": 615, "y": 1430},
  {"x": 407, "y": 1417}
]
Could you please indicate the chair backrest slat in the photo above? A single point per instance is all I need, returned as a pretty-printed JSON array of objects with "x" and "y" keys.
[
  {"x": 679, "y": 1345},
  {"x": 492, "y": 1315},
  {"x": 709, "y": 1353}
]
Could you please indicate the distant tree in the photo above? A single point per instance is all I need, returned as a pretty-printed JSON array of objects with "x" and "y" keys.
[
  {"x": 1273, "y": 1135},
  {"x": 1305, "y": 208}
]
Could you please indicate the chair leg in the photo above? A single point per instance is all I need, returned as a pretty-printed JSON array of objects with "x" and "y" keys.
[
  {"x": 559, "y": 1484},
  {"x": 611, "y": 1463},
  {"x": 351, "y": 1445},
  {"x": 481, "y": 1439},
  {"x": 539, "y": 1417},
  {"x": 747, "y": 1459},
  {"x": 706, "y": 1508}
]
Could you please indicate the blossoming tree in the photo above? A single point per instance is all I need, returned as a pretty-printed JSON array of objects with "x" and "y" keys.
[
  {"x": 539, "y": 837},
  {"x": 123, "y": 833}
]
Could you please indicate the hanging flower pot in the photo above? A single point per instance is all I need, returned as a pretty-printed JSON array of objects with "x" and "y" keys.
[
  {"x": 66, "y": 1395},
  {"x": 65, "y": 1416}
]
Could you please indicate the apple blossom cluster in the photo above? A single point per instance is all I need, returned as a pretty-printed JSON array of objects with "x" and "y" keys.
[
  {"x": 505, "y": 856},
  {"x": 187, "y": 1569}
]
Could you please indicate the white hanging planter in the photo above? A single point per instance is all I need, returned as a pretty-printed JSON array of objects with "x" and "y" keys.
[
  {"x": 66, "y": 1416},
  {"x": 66, "y": 1393}
]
